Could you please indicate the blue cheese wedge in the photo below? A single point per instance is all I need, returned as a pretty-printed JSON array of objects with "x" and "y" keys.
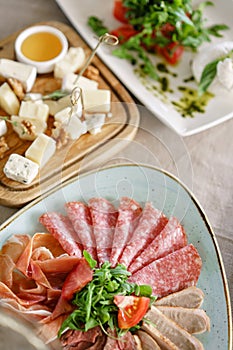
[
  {"x": 28, "y": 128},
  {"x": 73, "y": 61},
  {"x": 41, "y": 150},
  {"x": 3, "y": 127},
  {"x": 24, "y": 73},
  {"x": 20, "y": 169},
  {"x": 68, "y": 83},
  {"x": 97, "y": 101},
  {"x": 8, "y": 100},
  {"x": 34, "y": 110}
]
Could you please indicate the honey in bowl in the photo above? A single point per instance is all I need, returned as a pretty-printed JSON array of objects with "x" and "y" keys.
[{"x": 41, "y": 46}]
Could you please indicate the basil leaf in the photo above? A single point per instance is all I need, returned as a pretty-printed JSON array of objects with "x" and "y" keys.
[{"x": 208, "y": 76}]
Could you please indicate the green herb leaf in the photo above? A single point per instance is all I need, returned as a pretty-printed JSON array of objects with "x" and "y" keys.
[
  {"x": 209, "y": 73},
  {"x": 92, "y": 263},
  {"x": 97, "y": 26}
]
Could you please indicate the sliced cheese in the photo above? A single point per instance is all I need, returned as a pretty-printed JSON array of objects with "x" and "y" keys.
[
  {"x": 34, "y": 110},
  {"x": 41, "y": 150},
  {"x": 8, "y": 100},
  {"x": 3, "y": 127},
  {"x": 38, "y": 127},
  {"x": 97, "y": 101},
  {"x": 24, "y": 73},
  {"x": 20, "y": 169},
  {"x": 73, "y": 61},
  {"x": 68, "y": 83}
]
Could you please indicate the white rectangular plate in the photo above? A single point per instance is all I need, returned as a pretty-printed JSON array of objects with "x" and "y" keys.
[{"x": 219, "y": 108}]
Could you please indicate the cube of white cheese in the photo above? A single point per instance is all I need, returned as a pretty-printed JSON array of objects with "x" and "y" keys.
[
  {"x": 73, "y": 61},
  {"x": 41, "y": 150},
  {"x": 68, "y": 83},
  {"x": 20, "y": 169},
  {"x": 56, "y": 106},
  {"x": 94, "y": 122},
  {"x": 97, "y": 101},
  {"x": 63, "y": 116},
  {"x": 75, "y": 127},
  {"x": 8, "y": 100},
  {"x": 34, "y": 110},
  {"x": 23, "y": 72},
  {"x": 37, "y": 127},
  {"x": 3, "y": 127}
]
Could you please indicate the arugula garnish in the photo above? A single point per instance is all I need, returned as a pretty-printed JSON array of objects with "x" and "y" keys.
[
  {"x": 97, "y": 25},
  {"x": 94, "y": 303},
  {"x": 209, "y": 73}
]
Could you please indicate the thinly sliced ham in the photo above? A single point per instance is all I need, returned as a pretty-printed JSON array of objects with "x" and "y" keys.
[
  {"x": 48, "y": 241},
  {"x": 127, "y": 342},
  {"x": 6, "y": 269},
  {"x": 77, "y": 279},
  {"x": 61, "y": 228},
  {"x": 79, "y": 215},
  {"x": 104, "y": 217},
  {"x": 172, "y": 273},
  {"x": 61, "y": 264},
  {"x": 129, "y": 212},
  {"x": 171, "y": 238},
  {"x": 93, "y": 339},
  {"x": 151, "y": 223},
  {"x": 15, "y": 246}
]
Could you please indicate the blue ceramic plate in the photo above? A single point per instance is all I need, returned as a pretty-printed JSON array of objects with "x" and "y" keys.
[{"x": 145, "y": 183}]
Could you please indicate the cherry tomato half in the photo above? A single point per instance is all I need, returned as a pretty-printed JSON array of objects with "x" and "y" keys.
[
  {"x": 131, "y": 310},
  {"x": 124, "y": 32},
  {"x": 171, "y": 52},
  {"x": 119, "y": 11}
]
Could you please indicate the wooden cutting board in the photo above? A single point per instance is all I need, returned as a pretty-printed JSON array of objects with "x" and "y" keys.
[{"x": 86, "y": 153}]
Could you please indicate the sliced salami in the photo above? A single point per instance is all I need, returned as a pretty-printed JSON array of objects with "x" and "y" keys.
[
  {"x": 61, "y": 228},
  {"x": 79, "y": 215},
  {"x": 129, "y": 212},
  {"x": 104, "y": 217},
  {"x": 172, "y": 273},
  {"x": 151, "y": 223},
  {"x": 171, "y": 238}
]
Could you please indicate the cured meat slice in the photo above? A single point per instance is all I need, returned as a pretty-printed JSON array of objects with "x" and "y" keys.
[
  {"x": 171, "y": 238},
  {"x": 191, "y": 297},
  {"x": 61, "y": 228},
  {"x": 79, "y": 215},
  {"x": 192, "y": 320},
  {"x": 129, "y": 212},
  {"x": 93, "y": 339},
  {"x": 15, "y": 245},
  {"x": 172, "y": 273},
  {"x": 6, "y": 269},
  {"x": 77, "y": 279},
  {"x": 163, "y": 342},
  {"x": 151, "y": 222},
  {"x": 127, "y": 342},
  {"x": 148, "y": 343},
  {"x": 104, "y": 217},
  {"x": 181, "y": 338},
  {"x": 62, "y": 264}
]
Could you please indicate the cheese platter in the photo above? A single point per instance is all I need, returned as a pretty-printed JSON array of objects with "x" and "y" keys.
[{"x": 67, "y": 161}]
